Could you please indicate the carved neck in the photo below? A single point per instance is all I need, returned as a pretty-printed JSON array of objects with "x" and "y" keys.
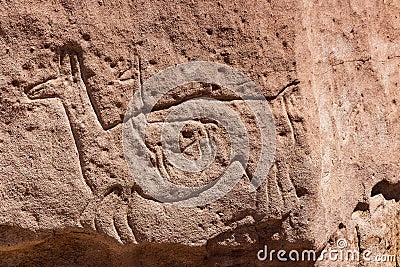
[{"x": 82, "y": 117}]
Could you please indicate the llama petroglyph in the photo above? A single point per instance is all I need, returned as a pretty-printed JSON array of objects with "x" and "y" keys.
[
  {"x": 329, "y": 73},
  {"x": 103, "y": 169},
  {"x": 119, "y": 205}
]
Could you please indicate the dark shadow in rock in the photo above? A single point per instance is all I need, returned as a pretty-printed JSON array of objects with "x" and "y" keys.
[
  {"x": 388, "y": 190},
  {"x": 361, "y": 206}
]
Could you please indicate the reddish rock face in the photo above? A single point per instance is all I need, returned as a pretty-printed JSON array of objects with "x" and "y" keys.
[{"x": 328, "y": 72}]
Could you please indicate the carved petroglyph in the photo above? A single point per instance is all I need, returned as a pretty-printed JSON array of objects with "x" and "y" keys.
[
  {"x": 103, "y": 169},
  {"x": 113, "y": 208},
  {"x": 205, "y": 72}
]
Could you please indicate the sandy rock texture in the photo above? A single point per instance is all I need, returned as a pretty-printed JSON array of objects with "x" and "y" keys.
[{"x": 329, "y": 71}]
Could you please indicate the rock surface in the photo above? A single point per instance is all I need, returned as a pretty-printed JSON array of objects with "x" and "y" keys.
[{"x": 329, "y": 71}]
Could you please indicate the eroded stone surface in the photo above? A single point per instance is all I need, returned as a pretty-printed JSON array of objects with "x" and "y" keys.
[
  {"x": 372, "y": 236},
  {"x": 330, "y": 74}
]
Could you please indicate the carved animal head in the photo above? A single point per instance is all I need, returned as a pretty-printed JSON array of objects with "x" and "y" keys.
[{"x": 68, "y": 78}]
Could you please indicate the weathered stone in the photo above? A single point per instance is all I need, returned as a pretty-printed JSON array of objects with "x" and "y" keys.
[{"x": 329, "y": 72}]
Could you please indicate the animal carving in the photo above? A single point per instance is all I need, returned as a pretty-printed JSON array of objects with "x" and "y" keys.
[{"x": 103, "y": 169}]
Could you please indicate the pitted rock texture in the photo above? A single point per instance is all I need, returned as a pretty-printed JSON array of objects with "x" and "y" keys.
[{"x": 330, "y": 73}]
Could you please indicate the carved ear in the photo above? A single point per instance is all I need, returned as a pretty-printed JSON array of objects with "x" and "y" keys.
[
  {"x": 45, "y": 90},
  {"x": 65, "y": 64},
  {"x": 75, "y": 66}
]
